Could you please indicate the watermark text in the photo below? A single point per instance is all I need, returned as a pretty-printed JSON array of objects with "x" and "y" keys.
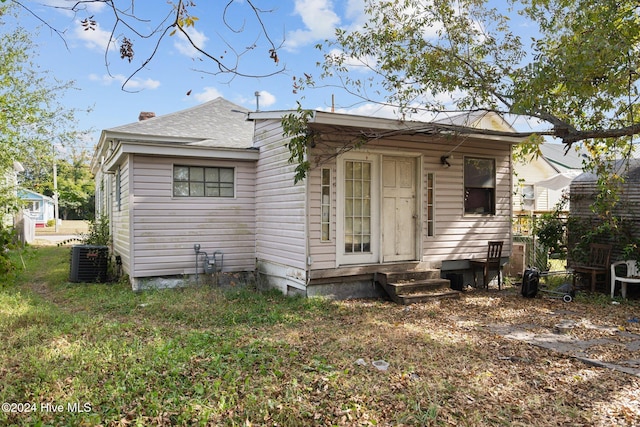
[{"x": 53, "y": 407}]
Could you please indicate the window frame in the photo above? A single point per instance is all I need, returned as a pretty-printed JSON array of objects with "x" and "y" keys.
[
  {"x": 430, "y": 201},
  {"x": 325, "y": 205},
  {"x": 204, "y": 169},
  {"x": 480, "y": 190},
  {"x": 34, "y": 206},
  {"x": 358, "y": 241}
]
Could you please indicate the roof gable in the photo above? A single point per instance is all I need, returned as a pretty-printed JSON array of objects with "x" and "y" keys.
[
  {"x": 479, "y": 119},
  {"x": 26, "y": 194},
  {"x": 217, "y": 123}
]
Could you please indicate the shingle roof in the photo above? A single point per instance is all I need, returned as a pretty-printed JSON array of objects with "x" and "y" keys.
[
  {"x": 479, "y": 119},
  {"x": 629, "y": 169},
  {"x": 467, "y": 119},
  {"x": 217, "y": 123},
  {"x": 555, "y": 154}
]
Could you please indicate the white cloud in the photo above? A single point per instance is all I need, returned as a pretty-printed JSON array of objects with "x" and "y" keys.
[
  {"x": 208, "y": 94},
  {"x": 319, "y": 19},
  {"x": 266, "y": 99},
  {"x": 363, "y": 64},
  {"x": 133, "y": 84},
  {"x": 97, "y": 39},
  {"x": 354, "y": 12},
  {"x": 183, "y": 45}
]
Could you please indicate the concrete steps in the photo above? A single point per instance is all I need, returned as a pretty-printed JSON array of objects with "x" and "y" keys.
[{"x": 414, "y": 287}]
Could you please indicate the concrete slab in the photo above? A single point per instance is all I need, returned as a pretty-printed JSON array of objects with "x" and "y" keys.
[{"x": 563, "y": 342}]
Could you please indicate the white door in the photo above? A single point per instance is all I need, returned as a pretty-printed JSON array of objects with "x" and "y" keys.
[
  {"x": 399, "y": 215},
  {"x": 358, "y": 229}
]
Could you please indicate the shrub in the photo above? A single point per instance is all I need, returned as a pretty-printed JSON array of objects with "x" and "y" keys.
[
  {"x": 550, "y": 229},
  {"x": 98, "y": 233},
  {"x": 7, "y": 242}
]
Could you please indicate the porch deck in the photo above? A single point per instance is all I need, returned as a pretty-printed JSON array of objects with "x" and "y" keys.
[{"x": 368, "y": 270}]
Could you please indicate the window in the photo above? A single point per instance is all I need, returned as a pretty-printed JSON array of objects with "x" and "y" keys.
[
  {"x": 33, "y": 206},
  {"x": 325, "y": 205},
  {"x": 357, "y": 207},
  {"x": 196, "y": 181},
  {"x": 479, "y": 186},
  {"x": 528, "y": 197},
  {"x": 430, "y": 205}
]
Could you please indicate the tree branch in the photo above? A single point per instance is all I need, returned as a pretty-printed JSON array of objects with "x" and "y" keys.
[
  {"x": 35, "y": 15},
  {"x": 126, "y": 19},
  {"x": 576, "y": 136}
]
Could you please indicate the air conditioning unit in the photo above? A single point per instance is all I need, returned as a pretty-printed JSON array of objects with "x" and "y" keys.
[{"x": 89, "y": 263}]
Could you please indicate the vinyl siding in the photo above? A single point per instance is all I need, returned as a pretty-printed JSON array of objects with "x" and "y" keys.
[
  {"x": 323, "y": 254},
  {"x": 165, "y": 228},
  {"x": 120, "y": 215},
  {"x": 457, "y": 236},
  {"x": 280, "y": 205}
]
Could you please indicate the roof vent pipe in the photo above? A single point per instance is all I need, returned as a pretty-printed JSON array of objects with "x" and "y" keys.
[{"x": 257, "y": 95}]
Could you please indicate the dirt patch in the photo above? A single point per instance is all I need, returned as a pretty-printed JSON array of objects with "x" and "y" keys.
[{"x": 459, "y": 343}]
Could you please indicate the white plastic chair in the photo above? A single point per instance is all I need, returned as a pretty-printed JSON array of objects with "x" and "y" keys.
[{"x": 632, "y": 276}]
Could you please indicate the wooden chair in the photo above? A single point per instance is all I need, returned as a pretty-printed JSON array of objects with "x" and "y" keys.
[
  {"x": 596, "y": 267},
  {"x": 491, "y": 262}
]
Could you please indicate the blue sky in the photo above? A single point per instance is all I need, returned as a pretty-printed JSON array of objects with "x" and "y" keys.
[
  {"x": 176, "y": 70},
  {"x": 179, "y": 78}
]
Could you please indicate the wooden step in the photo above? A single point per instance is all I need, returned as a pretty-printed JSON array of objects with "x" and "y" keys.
[
  {"x": 416, "y": 286},
  {"x": 404, "y": 276},
  {"x": 426, "y": 297}
]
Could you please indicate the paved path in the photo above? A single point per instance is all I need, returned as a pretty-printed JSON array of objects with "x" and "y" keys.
[
  {"x": 68, "y": 229},
  {"x": 562, "y": 341},
  {"x": 53, "y": 239}
]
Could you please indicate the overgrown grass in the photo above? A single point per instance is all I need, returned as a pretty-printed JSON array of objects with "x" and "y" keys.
[
  {"x": 102, "y": 354},
  {"x": 170, "y": 356}
]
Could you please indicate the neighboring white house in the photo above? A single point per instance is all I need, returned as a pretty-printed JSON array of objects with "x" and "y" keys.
[
  {"x": 415, "y": 195},
  {"x": 540, "y": 181}
]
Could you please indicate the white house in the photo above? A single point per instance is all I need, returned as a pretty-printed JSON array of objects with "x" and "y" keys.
[
  {"x": 414, "y": 196},
  {"x": 540, "y": 181}
]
